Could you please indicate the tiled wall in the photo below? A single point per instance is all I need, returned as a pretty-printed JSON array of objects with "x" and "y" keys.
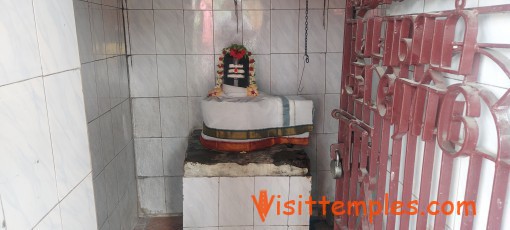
[
  {"x": 101, "y": 39},
  {"x": 46, "y": 179},
  {"x": 225, "y": 202},
  {"x": 175, "y": 46}
]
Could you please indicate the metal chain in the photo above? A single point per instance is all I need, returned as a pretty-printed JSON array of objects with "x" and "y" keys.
[
  {"x": 307, "y": 58},
  {"x": 237, "y": 16}
]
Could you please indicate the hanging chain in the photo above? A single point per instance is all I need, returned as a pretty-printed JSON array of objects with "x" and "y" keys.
[
  {"x": 237, "y": 16},
  {"x": 307, "y": 58}
]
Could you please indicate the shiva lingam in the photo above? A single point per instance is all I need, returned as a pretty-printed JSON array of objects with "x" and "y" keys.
[{"x": 237, "y": 117}]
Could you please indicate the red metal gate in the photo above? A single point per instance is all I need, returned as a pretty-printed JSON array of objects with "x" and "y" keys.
[{"x": 398, "y": 103}]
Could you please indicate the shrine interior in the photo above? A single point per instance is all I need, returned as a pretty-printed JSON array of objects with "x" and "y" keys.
[{"x": 238, "y": 114}]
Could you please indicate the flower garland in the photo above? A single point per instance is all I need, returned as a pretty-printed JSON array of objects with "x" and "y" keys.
[{"x": 238, "y": 52}]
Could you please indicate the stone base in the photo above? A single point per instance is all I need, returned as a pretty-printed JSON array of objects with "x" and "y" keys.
[{"x": 218, "y": 188}]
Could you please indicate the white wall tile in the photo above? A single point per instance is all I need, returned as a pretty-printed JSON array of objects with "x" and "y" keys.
[
  {"x": 201, "y": 75},
  {"x": 257, "y": 31},
  {"x": 326, "y": 185},
  {"x": 58, "y": 53},
  {"x": 336, "y": 4},
  {"x": 100, "y": 199},
  {"x": 284, "y": 74},
  {"x": 256, "y": 4},
  {"x": 173, "y": 194},
  {"x": 83, "y": 30},
  {"x": 167, "y": 4},
  {"x": 236, "y": 228},
  {"x": 107, "y": 148},
  {"x": 174, "y": 152},
  {"x": 198, "y": 27},
  {"x": 316, "y": 31},
  {"x": 139, "y": 4},
  {"x": 318, "y": 111},
  {"x": 197, "y": 4},
  {"x": 129, "y": 208},
  {"x": 88, "y": 78},
  {"x": 122, "y": 173},
  {"x": 50, "y": 221},
  {"x": 438, "y": 5},
  {"x": 27, "y": 166},
  {"x": 68, "y": 127},
  {"x": 200, "y": 201},
  {"x": 284, "y": 4},
  {"x": 263, "y": 72},
  {"x": 411, "y": 7},
  {"x": 311, "y": 151},
  {"x": 149, "y": 155},
  {"x": 270, "y": 227},
  {"x": 333, "y": 72},
  {"x": 236, "y": 205},
  {"x": 143, "y": 76},
  {"x": 146, "y": 117},
  {"x": 204, "y": 228},
  {"x": 103, "y": 86},
  {"x": 226, "y": 5},
  {"x": 169, "y": 31},
  {"x": 98, "y": 39},
  {"x": 300, "y": 186},
  {"x": 96, "y": 156},
  {"x": 141, "y": 32},
  {"x": 123, "y": 78},
  {"x": 114, "y": 80},
  {"x": 335, "y": 36},
  {"x": 112, "y": 188},
  {"x": 114, "y": 3},
  {"x": 130, "y": 159},
  {"x": 298, "y": 228},
  {"x": 314, "y": 4},
  {"x": 332, "y": 101},
  {"x": 174, "y": 116},
  {"x": 277, "y": 186},
  {"x": 106, "y": 226},
  {"x": 324, "y": 141},
  {"x": 227, "y": 29},
  {"x": 80, "y": 200},
  {"x": 111, "y": 32},
  {"x": 19, "y": 59},
  {"x": 196, "y": 121},
  {"x": 284, "y": 31},
  {"x": 172, "y": 75},
  {"x": 314, "y": 75},
  {"x": 493, "y": 2},
  {"x": 151, "y": 195},
  {"x": 114, "y": 219},
  {"x": 121, "y": 126}
]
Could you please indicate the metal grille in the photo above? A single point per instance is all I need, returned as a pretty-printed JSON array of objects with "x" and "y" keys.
[{"x": 410, "y": 113}]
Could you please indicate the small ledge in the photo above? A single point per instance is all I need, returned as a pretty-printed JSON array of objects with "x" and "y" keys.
[{"x": 280, "y": 160}]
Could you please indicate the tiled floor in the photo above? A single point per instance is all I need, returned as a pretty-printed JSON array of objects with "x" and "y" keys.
[{"x": 175, "y": 223}]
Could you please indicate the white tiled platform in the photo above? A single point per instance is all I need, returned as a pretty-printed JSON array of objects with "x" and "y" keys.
[
  {"x": 226, "y": 203},
  {"x": 219, "y": 196}
]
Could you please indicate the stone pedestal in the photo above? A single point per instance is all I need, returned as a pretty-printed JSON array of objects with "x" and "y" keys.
[{"x": 218, "y": 187}]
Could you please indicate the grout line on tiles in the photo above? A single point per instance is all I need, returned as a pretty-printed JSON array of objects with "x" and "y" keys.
[
  {"x": 47, "y": 113},
  {"x": 63, "y": 198}
]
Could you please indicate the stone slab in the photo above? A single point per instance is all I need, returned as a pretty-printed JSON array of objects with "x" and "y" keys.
[{"x": 280, "y": 160}]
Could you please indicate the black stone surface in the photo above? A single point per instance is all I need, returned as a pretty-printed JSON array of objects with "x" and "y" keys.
[{"x": 277, "y": 155}]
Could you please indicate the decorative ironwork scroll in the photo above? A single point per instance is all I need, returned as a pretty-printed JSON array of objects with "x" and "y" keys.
[{"x": 413, "y": 80}]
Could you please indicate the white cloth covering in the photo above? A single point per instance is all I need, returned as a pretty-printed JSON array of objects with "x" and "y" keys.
[
  {"x": 253, "y": 113},
  {"x": 304, "y": 135}
]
